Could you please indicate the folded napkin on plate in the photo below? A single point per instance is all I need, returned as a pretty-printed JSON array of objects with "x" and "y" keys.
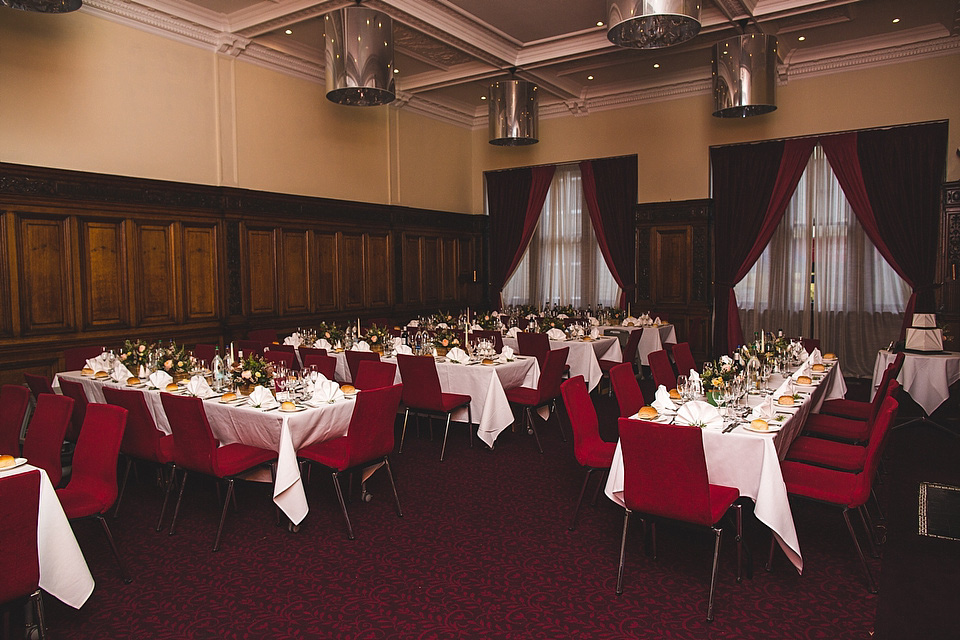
[
  {"x": 815, "y": 357},
  {"x": 662, "y": 401},
  {"x": 326, "y": 391},
  {"x": 160, "y": 379},
  {"x": 699, "y": 414},
  {"x": 294, "y": 338},
  {"x": 413, "y": 323},
  {"x": 322, "y": 344},
  {"x": 120, "y": 373},
  {"x": 476, "y": 327},
  {"x": 594, "y": 333},
  {"x": 764, "y": 411},
  {"x": 657, "y": 321},
  {"x": 360, "y": 346},
  {"x": 512, "y": 332},
  {"x": 442, "y": 325},
  {"x": 556, "y": 334},
  {"x": 532, "y": 316},
  {"x": 404, "y": 349},
  {"x": 458, "y": 355},
  {"x": 198, "y": 387},
  {"x": 506, "y": 354},
  {"x": 593, "y": 321},
  {"x": 629, "y": 321},
  {"x": 802, "y": 370},
  {"x": 100, "y": 363},
  {"x": 261, "y": 397},
  {"x": 563, "y": 316},
  {"x": 693, "y": 379},
  {"x": 396, "y": 342}
]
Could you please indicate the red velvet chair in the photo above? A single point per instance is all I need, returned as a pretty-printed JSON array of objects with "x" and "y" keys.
[
  {"x": 369, "y": 440},
  {"x": 661, "y": 369},
  {"x": 354, "y": 358},
  {"x": 310, "y": 351},
  {"x": 45, "y": 434},
  {"x": 841, "y": 489},
  {"x": 20, "y": 497},
  {"x": 205, "y": 353},
  {"x": 268, "y": 336},
  {"x": 495, "y": 336},
  {"x": 14, "y": 399},
  {"x": 326, "y": 365},
  {"x": 546, "y": 393},
  {"x": 591, "y": 451},
  {"x": 374, "y": 375},
  {"x": 847, "y": 429},
  {"x": 73, "y": 389},
  {"x": 623, "y": 381},
  {"x": 92, "y": 489},
  {"x": 196, "y": 449},
  {"x": 857, "y": 410},
  {"x": 629, "y": 355},
  {"x": 809, "y": 344},
  {"x": 665, "y": 477},
  {"x": 141, "y": 439},
  {"x": 280, "y": 358},
  {"x": 684, "y": 359},
  {"x": 75, "y": 358},
  {"x": 248, "y": 347},
  {"x": 534, "y": 344},
  {"x": 38, "y": 385},
  {"x": 422, "y": 393}
]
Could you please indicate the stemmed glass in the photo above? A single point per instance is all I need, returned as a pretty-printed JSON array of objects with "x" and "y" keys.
[{"x": 682, "y": 387}]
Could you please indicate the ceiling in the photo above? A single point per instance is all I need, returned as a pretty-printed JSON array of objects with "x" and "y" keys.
[{"x": 447, "y": 51}]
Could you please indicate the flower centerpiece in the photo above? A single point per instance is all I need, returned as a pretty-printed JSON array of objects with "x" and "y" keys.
[
  {"x": 331, "y": 333},
  {"x": 441, "y": 318},
  {"x": 616, "y": 315},
  {"x": 376, "y": 337},
  {"x": 136, "y": 354},
  {"x": 250, "y": 372},
  {"x": 547, "y": 323},
  {"x": 444, "y": 339},
  {"x": 716, "y": 375},
  {"x": 175, "y": 360},
  {"x": 488, "y": 322}
]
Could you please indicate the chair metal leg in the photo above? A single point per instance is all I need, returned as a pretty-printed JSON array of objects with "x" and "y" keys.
[
  {"x": 223, "y": 514},
  {"x": 123, "y": 486},
  {"x": 553, "y": 411},
  {"x": 37, "y": 599},
  {"x": 583, "y": 489},
  {"x": 739, "y": 542},
  {"x": 445, "y": 432},
  {"x": 876, "y": 501},
  {"x": 868, "y": 527},
  {"x": 533, "y": 427},
  {"x": 403, "y": 433},
  {"x": 396, "y": 496},
  {"x": 166, "y": 495},
  {"x": 343, "y": 506},
  {"x": 600, "y": 485},
  {"x": 718, "y": 532},
  {"x": 176, "y": 510},
  {"x": 113, "y": 547},
  {"x": 470, "y": 424},
  {"x": 623, "y": 549},
  {"x": 871, "y": 586}
]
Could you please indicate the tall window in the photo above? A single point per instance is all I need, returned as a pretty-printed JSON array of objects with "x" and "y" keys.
[
  {"x": 563, "y": 263},
  {"x": 821, "y": 276}
]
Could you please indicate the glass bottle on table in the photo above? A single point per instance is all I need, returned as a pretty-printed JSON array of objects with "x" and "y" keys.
[{"x": 216, "y": 367}]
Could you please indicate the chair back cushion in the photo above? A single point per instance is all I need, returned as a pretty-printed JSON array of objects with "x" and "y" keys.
[
  {"x": 193, "y": 441},
  {"x": 14, "y": 399},
  {"x": 280, "y": 358},
  {"x": 326, "y": 365},
  {"x": 38, "y": 384},
  {"x": 76, "y": 358},
  {"x": 373, "y": 374},
  {"x": 534, "y": 344},
  {"x": 73, "y": 389},
  {"x": 878, "y": 439},
  {"x": 882, "y": 391},
  {"x": 95, "y": 459},
  {"x": 552, "y": 374},
  {"x": 626, "y": 388},
  {"x": 141, "y": 438},
  {"x": 354, "y": 358},
  {"x": 583, "y": 417},
  {"x": 248, "y": 347},
  {"x": 665, "y": 471},
  {"x": 662, "y": 369},
  {"x": 204, "y": 353},
  {"x": 422, "y": 384},
  {"x": 809, "y": 344},
  {"x": 307, "y": 351},
  {"x": 263, "y": 335},
  {"x": 46, "y": 432},
  {"x": 371, "y": 428},
  {"x": 630, "y": 350},
  {"x": 684, "y": 358},
  {"x": 20, "y": 497}
]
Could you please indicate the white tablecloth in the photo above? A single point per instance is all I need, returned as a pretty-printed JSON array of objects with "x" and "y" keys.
[
  {"x": 652, "y": 339},
  {"x": 63, "y": 571},
  {"x": 584, "y": 357},
  {"x": 926, "y": 377}
]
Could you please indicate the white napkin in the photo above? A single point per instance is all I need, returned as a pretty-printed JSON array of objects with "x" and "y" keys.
[
  {"x": 120, "y": 372},
  {"x": 532, "y": 316},
  {"x": 360, "y": 346},
  {"x": 694, "y": 377},
  {"x": 99, "y": 363},
  {"x": 629, "y": 321},
  {"x": 593, "y": 321},
  {"x": 396, "y": 342},
  {"x": 160, "y": 379},
  {"x": 326, "y": 391},
  {"x": 442, "y": 325},
  {"x": 512, "y": 332},
  {"x": 594, "y": 333},
  {"x": 815, "y": 357},
  {"x": 506, "y": 354},
  {"x": 142, "y": 374},
  {"x": 404, "y": 349},
  {"x": 261, "y": 397},
  {"x": 657, "y": 321},
  {"x": 476, "y": 327},
  {"x": 556, "y": 334},
  {"x": 563, "y": 316},
  {"x": 413, "y": 323},
  {"x": 198, "y": 387},
  {"x": 802, "y": 370},
  {"x": 699, "y": 414},
  {"x": 662, "y": 402},
  {"x": 764, "y": 411},
  {"x": 322, "y": 344},
  {"x": 293, "y": 339},
  {"x": 458, "y": 355}
]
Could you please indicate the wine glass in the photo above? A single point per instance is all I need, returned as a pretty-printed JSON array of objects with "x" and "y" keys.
[{"x": 682, "y": 387}]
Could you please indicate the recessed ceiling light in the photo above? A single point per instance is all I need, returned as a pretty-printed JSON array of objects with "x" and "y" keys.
[
  {"x": 656, "y": 65},
  {"x": 599, "y": 23},
  {"x": 802, "y": 38},
  {"x": 396, "y": 70},
  {"x": 483, "y": 97},
  {"x": 589, "y": 77},
  {"x": 896, "y": 20},
  {"x": 288, "y": 32}
]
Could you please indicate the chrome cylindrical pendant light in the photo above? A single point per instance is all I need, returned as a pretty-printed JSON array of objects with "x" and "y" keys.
[
  {"x": 652, "y": 24},
  {"x": 43, "y": 6},
  {"x": 359, "y": 58},
  {"x": 514, "y": 117},
  {"x": 745, "y": 76}
]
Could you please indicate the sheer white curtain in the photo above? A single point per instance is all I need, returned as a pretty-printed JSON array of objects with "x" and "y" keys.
[
  {"x": 563, "y": 263},
  {"x": 857, "y": 298}
]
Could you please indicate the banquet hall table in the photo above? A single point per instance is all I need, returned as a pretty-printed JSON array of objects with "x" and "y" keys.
[
  {"x": 63, "y": 570},
  {"x": 584, "y": 356},
  {"x": 652, "y": 339},
  {"x": 925, "y": 376},
  {"x": 284, "y": 433},
  {"x": 750, "y": 462}
]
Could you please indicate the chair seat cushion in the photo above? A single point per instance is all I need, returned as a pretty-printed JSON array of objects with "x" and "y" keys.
[
  {"x": 836, "y": 427},
  {"x": 83, "y": 500},
  {"x": 524, "y": 396},
  {"x": 721, "y": 498},
  {"x": 847, "y": 408},
  {"x": 334, "y": 454},
  {"x": 596, "y": 453},
  {"x": 450, "y": 401},
  {"x": 817, "y": 483},
  {"x": 827, "y": 453},
  {"x": 236, "y": 458}
]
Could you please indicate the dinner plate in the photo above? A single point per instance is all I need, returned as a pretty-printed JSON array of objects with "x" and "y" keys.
[
  {"x": 16, "y": 463},
  {"x": 771, "y": 428},
  {"x": 294, "y": 410},
  {"x": 788, "y": 406},
  {"x": 489, "y": 364}
]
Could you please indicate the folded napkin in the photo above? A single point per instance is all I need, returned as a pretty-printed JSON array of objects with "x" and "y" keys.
[
  {"x": 476, "y": 327},
  {"x": 815, "y": 357},
  {"x": 413, "y": 323},
  {"x": 563, "y": 316},
  {"x": 512, "y": 332},
  {"x": 360, "y": 346},
  {"x": 662, "y": 401},
  {"x": 160, "y": 379},
  {"x": 657, "y": 321},
  {"x": 532, "y": 316},
  {"x": 506, "y": 354},
  {"x": 326, "y": 391},
  {"x": 443, "y": 325},
  {"x": 699, "y": 414},
  {"x": 198, "y": 387},
  {"x": 312, "y": 380},
  {"x": 295, "y": 339},
  {"x": 593, "y": 321},
  {"x": 100, "y": 363},
  {"x": 404, "y": 349},
  {"x": 802, "y": 370},
  {"x": 628, "y": 322},
  {"x": 694, "y": 380},
  {"x": 322, "y": 344},
  {"x": 594, "y": 333},
  {"x": 764, "y": 411},
  {"x": 458, "y": 355},
  {"x": 261, "y": 397},
  {"x": 396, "y": 342},
  {"x": 556, "y": 334},
  {"x": 120, "y": 372}
]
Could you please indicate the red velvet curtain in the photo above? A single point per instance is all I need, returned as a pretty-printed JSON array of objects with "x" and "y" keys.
[
  {"x": 514, "y": 200},
  {"x": 610, "y": 192}
]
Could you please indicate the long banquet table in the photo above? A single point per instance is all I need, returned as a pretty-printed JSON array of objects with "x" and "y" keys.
[
  {"x": 63, "y": 570},
  {"x": 284, "y": 433},
  {"x": 652, "y": 339},
  {"x": 584, "y": 356},
  {"x": 750, "y": 462}
]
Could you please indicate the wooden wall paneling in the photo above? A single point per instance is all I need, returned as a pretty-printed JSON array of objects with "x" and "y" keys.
[
  {"x": 201, "y": 268},
  {"x": 671, "y": 255},
  {"x": 294, "y": 276},
  {"x": 103, "y": 269},
  {"x": 469, "y": 271},
  {"x": 8, "y": 253},
  {"x": 328, "y": 278},
  {"x": 430, "y": 270},
  {"x": 378, "y": 270},
  {"x": 156, "y": 288},
  {"x": 351, "y": 271},
  {"x": 46, "y": 281},
  {"x": 449, "y": 270},
  {"x": 412, "y": 266},
  {"x": 261, "y": 263}
]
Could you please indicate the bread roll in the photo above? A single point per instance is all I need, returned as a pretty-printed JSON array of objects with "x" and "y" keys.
[
  {"x": 786, "y": 400},
  {"x": 488, "y": 361},
  {"x": 759, "y": 425},
  {"x": 102, "y": 374},
  {"x": 133, "y": 380},
  {"x": 348, "y": 388},
  {"x": 172, "y": 387},
  {"x": 647, "y": 413},
  {"x": 87, "y": 371},
  {"x": 674, "y": 394},
  {"x": 818, "y": 367},
  {"x": 7, "y": 461},
  {"x": 830, "y": 356},
  {"x": 228, "y": 396},
  {"x": 288, "y": 406},
  {"x": 804, "y": 380}
]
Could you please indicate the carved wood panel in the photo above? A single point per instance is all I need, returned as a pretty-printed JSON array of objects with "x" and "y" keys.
[
  {"x": 156, "y": 290},
  {"x": 104, "y": 274},
  {"x": 378, "y": 262},
  {"x": 468, "y": 287},
  {"x": 670, "y": 260},
  {"x": 295, "y": 281},
  {"x": 6, "y": 311},
  {"x": 261, "y": 257},
  {"x": 46, "y": 275},
  {"x": 351, "y": 271},
  {"x": 200, "y": 269},
  {"x": 429, "y": 270},
  {"x": 449, "y": 270},
  {"x": 411, "y": 269},
  {"x": 328, "y": 281}
]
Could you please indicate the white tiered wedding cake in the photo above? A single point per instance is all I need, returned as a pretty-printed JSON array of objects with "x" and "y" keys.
[{"x": 924, "y": 335}]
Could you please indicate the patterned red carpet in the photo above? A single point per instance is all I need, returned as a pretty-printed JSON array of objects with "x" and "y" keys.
[{"x": 483, "y": 550}]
